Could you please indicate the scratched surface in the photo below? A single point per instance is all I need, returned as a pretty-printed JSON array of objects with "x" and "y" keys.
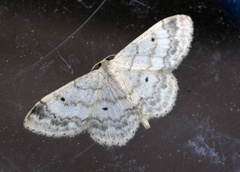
[{"x": 44, "y": 45}]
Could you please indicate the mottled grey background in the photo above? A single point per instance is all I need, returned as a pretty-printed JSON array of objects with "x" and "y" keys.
[{"x": 200, "y": 134}]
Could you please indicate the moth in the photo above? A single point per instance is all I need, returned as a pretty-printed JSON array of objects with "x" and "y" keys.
[{"x": 109, "y": 103}]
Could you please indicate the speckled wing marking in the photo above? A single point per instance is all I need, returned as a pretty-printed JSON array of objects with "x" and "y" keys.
[
  {"x": 164, "y": 45},
  {"x": 64, "y": 111},
  {"x": 110, "y": 102}
]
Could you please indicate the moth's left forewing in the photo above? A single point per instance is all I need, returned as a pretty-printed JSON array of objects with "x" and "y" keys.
[{"x": 64, "y": 111}]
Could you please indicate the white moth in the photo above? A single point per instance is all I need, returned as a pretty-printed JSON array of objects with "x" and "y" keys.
[{"x": 110, "y": 102}]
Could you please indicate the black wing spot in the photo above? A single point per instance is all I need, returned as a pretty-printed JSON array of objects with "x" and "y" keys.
[
  {"x": 38, "y": 109},
  {"x": 153, "y": 39},
  {"x": 62, "y": 99},
  {"x": 105, "y": 108},
  {"x": 146, "y": 79}
]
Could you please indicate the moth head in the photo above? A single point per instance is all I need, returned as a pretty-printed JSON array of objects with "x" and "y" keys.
[{"x": 104, "y": 62}]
